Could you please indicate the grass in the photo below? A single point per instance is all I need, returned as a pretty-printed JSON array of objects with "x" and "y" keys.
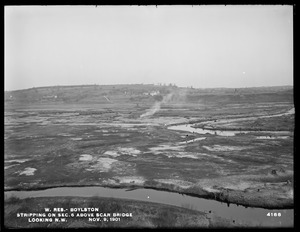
[
  {"x": 13, "y": 200},
  {"x": 166, "y": 218},
  {"x": 110, "y": 205}
]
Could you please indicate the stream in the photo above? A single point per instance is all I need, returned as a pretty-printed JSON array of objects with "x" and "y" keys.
[{"x": 191, "y": 129}]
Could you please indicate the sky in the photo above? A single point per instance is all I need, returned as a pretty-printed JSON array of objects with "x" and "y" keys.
[{"x": 200, "y": 46}]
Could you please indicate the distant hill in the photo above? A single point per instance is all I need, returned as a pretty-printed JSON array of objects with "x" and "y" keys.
[{"x": 139, "y": 93}]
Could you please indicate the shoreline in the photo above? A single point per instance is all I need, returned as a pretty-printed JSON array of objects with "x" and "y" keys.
[{"x": 248, "y": 198}]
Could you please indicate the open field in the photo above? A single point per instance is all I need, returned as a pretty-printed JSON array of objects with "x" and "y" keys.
[{"x": 230, "y": 145}]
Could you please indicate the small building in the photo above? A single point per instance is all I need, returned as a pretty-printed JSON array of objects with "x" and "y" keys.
[{"x": 152, "y": 93}]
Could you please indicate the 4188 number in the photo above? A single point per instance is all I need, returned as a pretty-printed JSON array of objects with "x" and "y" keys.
[{"x": 274, "y": 214}]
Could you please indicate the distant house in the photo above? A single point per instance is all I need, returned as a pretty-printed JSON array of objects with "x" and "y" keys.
[
  {"x": 152, "y": 93},
  {"x": 49, "y": 97},
  {"x": 10, "y": 98}
]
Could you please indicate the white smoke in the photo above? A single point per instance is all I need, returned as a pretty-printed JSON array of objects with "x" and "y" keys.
[{"x": 156, "y": 107}]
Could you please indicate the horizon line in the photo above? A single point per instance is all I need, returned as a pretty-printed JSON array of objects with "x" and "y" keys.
[{"x": 162, "y": 85}]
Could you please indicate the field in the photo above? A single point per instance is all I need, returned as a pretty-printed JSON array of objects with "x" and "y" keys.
[{"x": 230, "y": 145}]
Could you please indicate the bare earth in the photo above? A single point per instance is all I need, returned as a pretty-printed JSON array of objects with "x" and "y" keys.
[{"x": 80, "y": 138}]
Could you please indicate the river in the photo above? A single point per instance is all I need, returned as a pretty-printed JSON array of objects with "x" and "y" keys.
[{"x": 233, "y": 212}]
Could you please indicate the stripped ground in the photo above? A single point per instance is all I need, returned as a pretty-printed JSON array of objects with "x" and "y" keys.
[
  {"x": 153, "y": 156},
  {"x": 109, "y": 144}
]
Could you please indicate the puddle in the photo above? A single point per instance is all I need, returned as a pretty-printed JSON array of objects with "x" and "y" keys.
[
  {"x": 111, "y": 153},
  {"x": 7, "y": 167},
  {"x": 189, "y": 128},
  {"x": 28, "y": 171},
  {"x": 192, "y": 140},
  {"x": 103, "y": 165},
  {"x": 76, "y": 139},
  {"x": 85, "y": 157},
  {"x": 123, "y": 151},
  {"x": 43, "y": 123},
  {"x": 224, "y": 148},
  {"x": 16, "y": 160},
  {"x": 233, "y": 212},
  {"x": 181, "y": 155},
  {"x": 273, "y": 137},
  {"x": 129, "y": 151},
  {"x": 64, "y": 134}
]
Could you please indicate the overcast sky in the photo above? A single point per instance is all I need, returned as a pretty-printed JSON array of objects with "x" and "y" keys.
[{"x": 199, "y": 46}]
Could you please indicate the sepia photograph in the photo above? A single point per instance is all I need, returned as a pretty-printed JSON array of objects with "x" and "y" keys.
[{"x": 148, "y": 116}]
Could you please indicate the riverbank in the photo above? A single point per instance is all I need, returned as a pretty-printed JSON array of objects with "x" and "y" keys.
[
  {"x": 273, "y": 191},
  {"x": 144, "y": 214}
]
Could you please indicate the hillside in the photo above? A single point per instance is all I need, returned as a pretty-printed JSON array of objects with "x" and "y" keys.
[{"x": 143, "y": 94}]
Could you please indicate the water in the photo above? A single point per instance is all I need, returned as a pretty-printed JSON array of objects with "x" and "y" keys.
[
  {"x": 192, "y": 140},
  {"x": 233, "y": 212},
  {"x": 189, "y": 128}
]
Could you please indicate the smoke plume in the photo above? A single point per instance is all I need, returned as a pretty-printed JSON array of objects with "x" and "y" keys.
[{"x": 156, "y": 107}]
